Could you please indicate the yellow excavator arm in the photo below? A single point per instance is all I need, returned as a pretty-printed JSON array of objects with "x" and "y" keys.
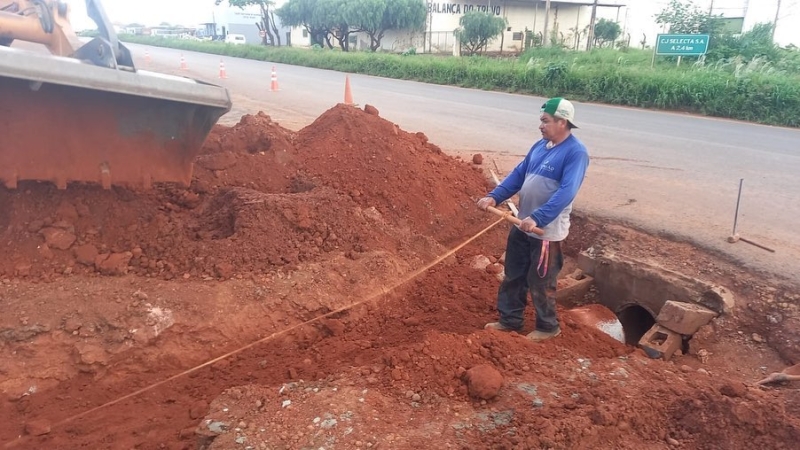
[{"x": 84, "y": 113}]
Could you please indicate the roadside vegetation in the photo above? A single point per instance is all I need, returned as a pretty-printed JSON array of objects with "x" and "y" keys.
[{"x": 743, "y": 76}]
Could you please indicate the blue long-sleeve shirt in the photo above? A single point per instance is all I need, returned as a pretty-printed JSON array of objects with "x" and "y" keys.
[{"x": 548, "y": 181}]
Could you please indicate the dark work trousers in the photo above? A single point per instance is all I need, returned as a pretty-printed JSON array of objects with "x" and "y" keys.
[{"x": 523, "y": 272}]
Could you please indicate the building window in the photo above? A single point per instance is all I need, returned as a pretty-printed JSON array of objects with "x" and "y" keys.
[{"x": 305, "y": 33}]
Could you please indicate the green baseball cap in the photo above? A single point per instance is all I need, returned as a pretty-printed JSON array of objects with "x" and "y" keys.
[{"x": 561, "y": 108}]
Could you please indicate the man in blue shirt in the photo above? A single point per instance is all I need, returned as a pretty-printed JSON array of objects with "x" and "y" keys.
[{"x": 547, "y": 180}]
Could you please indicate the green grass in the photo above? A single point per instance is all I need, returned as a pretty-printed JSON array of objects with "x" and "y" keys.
[{"x": 751, "y": 92}]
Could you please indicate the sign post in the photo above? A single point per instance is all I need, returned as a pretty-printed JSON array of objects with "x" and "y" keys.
[{"x": 680, "y": 45}]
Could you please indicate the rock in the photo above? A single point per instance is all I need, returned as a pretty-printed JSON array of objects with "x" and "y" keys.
[
  {"x": 480, "y": 262},
  {"x": 757, "y": 337},
  {"x": 686, "y": 368},
  {"x": 719, "y": 299},
  {"x": 85, "y": 254},
  {"x": 72, "y": 324},
  {"x": 83, "y": 210},
  {"x": 702, "y": 372},
  {"x": 369, "y": 109},
  {"x": 224, "y": 270},
  {"x": 37, "y": 427},
  {"x": 483, "y": 381},
  {"x": 217, "y": 161},
  {"x": 113, "y": 264},
  {"x": 733, "y": 389},
  {"x": 35, "y": 226},
  {"x": 45, "y": 252},
  {"x": 684, "y": 318},
  {"x": 477, "y": 159},
  {"x": 90, "y": 354},
  {"x": 416, "y": 398},
  {"x": 494, "y": 269},
  {"x": 334, "y": 326},
  {"x": 67, "y": 211},
  {"x": 410, "y": 321},
  {"x": 672, "y": 442},
  {"x": 58, "y": 238},
  {"x": 198, "y": 410},
  {"x": 22, "y": 270}
]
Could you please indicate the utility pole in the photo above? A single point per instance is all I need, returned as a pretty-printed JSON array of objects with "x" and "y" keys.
[
  {"x": 777, "y": 16},
  {"x": 590, "y": 40},
  {"x": 711, "y": 9},
  {"x": 545, "y": 37}
]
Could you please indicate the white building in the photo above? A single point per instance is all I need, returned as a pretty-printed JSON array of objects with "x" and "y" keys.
[
  {"x": 224, "y": 20},
  {"x": 568, "y": 19}
]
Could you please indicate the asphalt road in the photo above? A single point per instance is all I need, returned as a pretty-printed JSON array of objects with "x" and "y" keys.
[{"x": 664, "y": 172}]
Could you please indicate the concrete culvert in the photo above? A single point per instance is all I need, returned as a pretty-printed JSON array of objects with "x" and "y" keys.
[{"x": 635, "y": 322}]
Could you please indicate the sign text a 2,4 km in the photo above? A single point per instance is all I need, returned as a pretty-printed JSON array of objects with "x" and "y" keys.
[{"x": 682, "y": 44}]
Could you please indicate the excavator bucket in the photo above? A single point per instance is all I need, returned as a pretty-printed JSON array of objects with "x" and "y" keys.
[{"x": 65, "y": 121}]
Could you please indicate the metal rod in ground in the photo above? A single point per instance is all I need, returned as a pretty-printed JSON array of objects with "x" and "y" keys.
[
  {"x": 756, "y": 244},
  {"x": 738, "y": 199}
]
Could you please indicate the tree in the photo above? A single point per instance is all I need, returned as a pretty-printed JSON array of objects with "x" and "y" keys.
[
  {"x": 266, "y": 24},
  {"x": 336, "y": 17},
  {"x": 756, "y": 43},
  {"x": 684, "y": 17},
  {"x": 477, "y": 29},
  {"x": 304, "y": 13},
  {"x": 606, "y": 31},
  {"x": 376, "y": 17}
]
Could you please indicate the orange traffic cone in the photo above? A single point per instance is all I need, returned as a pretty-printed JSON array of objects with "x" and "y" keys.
[
  {"x": 274, "y": 83},
  {"x": 183, "y": 63},
  {"x": 348, "y": 93},
  {"x": 222, "y": 73}
]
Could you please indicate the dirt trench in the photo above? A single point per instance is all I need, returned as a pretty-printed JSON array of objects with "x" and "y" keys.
[{"x": 107, "y": 293}]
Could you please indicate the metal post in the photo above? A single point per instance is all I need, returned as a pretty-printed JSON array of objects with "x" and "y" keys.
[
  {"x": 545, "y": 38},
  {"x": 590, "y": 39},
  {"x": 738, "y": 199},
  {"x": 679, "y": 60},
  {"x": 653, "y": 61}
]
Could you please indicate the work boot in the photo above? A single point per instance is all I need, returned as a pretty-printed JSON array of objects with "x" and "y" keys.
[
  {"x": 539, "y": 336},
  {"x": 497, "y": 326}
]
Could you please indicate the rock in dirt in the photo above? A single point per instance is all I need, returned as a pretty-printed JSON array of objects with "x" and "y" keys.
[
  {"x": 37, "y": 427},
  {"x": 85, "y": 254},
  {"x": 477, "y": 159},
  {"x": 58, "y": 238},
  {"x": 224, "y": 270},
  {"x": 483, "y": 381},
  {"x": 113, "y": 264},
  {"x": 733, "y": 389},
  {"x": 90, "y": 354},
  {"x": 371, "y": 110},
  {"x": 480, "y": 262},
  {"x": 198, "y": 409}
]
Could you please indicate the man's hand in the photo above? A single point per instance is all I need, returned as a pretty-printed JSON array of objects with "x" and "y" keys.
[
  {"x": 486, "y": 202},
  {"x": 528, "y": 225}
]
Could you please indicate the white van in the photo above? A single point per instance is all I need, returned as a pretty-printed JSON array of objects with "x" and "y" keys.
[{"x": 236, "y": 39}]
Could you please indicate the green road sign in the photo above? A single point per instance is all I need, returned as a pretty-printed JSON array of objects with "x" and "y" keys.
[{"x": 682, "y": 44}]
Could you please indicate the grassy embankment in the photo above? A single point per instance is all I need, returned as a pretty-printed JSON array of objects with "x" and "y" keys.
[{"x": 755, "y": 92}]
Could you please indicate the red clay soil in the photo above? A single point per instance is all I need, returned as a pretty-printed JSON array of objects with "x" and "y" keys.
[
  {"x": 262, "y": 198},
  {"x": 300, "y": 225}
]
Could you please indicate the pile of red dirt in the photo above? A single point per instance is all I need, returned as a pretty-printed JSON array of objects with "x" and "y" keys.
[{"x": 262, "y": 198}]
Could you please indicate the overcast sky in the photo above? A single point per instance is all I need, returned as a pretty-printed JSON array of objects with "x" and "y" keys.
[{"x": 640, "y": 14}]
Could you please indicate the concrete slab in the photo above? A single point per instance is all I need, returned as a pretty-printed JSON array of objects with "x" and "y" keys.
[
  {"x": 573, "y": 288},
  {"x": 622, "y": 281},
  {"x": 684, "y": 318},
  {"x": 660, "y": 342}
]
